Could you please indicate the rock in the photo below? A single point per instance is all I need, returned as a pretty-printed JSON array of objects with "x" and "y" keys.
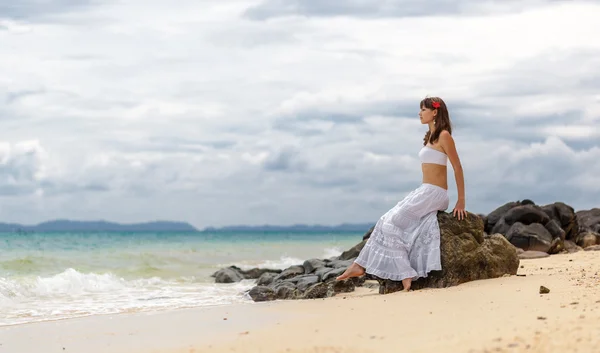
[
  {"x": 565, "y": 216},
  {"x": 289, "y": 273},
  {"x": 312, "y": 264},
  {"x": 589, "y": 219},
  {"x": 368, "y": 233},
  {"x": 593, "y": 248},
  {"x": 319, "y": 290},
  {"x": 306, "y": 282},
  {"x": 333, "y": 273},
  {"x": 354, "y": 251},
  {"x": 467, "y": 255},
  {"x": 527, "y": 255},
  {"x": 228, "y": 275},
  {"x": 262, "y": 293},
  {"x": 544, "y": 290},
  {"x": 530, "y": 237},
  {"x": 340, "y": 263},
  {"x": 255, "y": 273},
  {"x": 322, "y": 272},
  {"x": 233, "y": 274},
  {"x": 526, "y": 214},
  {"x": 501, "y": 227},
  {"x": 587, "y": 238},
  {"x": 266, "y": 279},
  {"x": 495, "y": 216},
  {"x": 555, "y": 229}
]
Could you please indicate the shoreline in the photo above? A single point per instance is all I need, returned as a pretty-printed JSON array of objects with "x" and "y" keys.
[{"x": 506, "y": 314}]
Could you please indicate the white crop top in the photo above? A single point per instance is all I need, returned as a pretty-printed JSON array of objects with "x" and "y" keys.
[{"x": 431, "y": 155}]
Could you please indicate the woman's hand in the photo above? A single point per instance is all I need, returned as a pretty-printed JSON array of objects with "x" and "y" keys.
[{"x": 459, "y": 210}]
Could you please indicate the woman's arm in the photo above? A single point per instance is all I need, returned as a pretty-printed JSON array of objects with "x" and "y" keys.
[{"x": 447, "y": 143}]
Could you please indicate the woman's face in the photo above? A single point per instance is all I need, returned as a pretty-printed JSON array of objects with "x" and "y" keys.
[{"x": 427, "y": 115}]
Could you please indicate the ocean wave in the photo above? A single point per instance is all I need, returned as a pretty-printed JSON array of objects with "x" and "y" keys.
[{"x": 73, "y": 294}]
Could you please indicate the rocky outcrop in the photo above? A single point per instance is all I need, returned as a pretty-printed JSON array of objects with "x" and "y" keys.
[
  {"x": 535, "y": 228},
  {"x": 479, "y": 247},
  {"x": 467, "y": 255}
]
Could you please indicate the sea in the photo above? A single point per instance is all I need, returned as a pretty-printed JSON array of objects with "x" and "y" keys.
[{"x": 54, "y": 276}]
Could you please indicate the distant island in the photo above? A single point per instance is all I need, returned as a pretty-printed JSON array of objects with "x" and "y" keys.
[
  {"x": 63, "y": 225},
  {"x": 98, "y": 226}
]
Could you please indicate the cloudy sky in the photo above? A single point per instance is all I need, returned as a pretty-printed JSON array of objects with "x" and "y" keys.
[{"x": 289, "y": 111}]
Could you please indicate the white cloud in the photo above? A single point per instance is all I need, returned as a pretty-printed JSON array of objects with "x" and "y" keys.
[{"x": 141, "y": 110}]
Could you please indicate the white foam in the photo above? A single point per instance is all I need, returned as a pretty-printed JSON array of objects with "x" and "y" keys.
[
  {"x": 332, "y": 252},
  {"x": 72, "y": 294}
]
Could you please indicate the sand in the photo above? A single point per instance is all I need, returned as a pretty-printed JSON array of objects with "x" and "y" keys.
[{"x": 499, "y": 315}]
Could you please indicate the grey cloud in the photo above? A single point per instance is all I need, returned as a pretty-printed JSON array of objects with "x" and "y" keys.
[
  {"x": 13, "y": 96},
  {"x": 35, "y": 9},
  {"x": 378, "y": 9},
  {"x": 287, "y": 159}
]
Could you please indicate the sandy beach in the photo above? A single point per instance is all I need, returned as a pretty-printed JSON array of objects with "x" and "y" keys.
[{"x": 499, "y": 315}]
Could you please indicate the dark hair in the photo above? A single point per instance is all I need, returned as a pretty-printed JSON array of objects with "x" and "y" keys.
[{"x": 442, "y": 120}]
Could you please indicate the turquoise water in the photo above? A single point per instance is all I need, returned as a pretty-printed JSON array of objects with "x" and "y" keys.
[{"x": 49, "y": 276}]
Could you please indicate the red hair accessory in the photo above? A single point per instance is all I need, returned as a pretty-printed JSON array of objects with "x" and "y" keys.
[{"x": 436, "y": 104}]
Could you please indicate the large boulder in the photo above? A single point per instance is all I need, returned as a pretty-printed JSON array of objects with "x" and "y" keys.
[
  {"x": 467, "y": 254},
  {"x": 589, "y": 219},
  {"x": 565, "y": 216}
]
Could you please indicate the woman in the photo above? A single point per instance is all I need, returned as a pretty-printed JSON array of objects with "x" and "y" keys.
[{"x": 405, "y": 242}]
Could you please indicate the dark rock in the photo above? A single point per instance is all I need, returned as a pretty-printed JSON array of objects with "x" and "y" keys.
[
  {"x": 233, "y": 274},
  {"x": 354, "y": 251},
  {"x": 287, "y": 292},
  {"x": 589, "y": 219},
  {"x": 501, "y": 227},
  {"x": 344, "y": 286},
  {"x": 467, "y": 255},
  {"x": 333, "y": 274},
  {"x": 495, "y": 216},
  {"x": 530, "y": 237},
  {"x": 289, "y": 273},
  {"x": 228, "y": 275},
  {"x": 340, "y": 263},
  {"x": 544, "y": 290},
  {"x": 319, "y": 290},
  {"x": 368, "y": 233},
  {"x": 255, "y": 273},
  {"x": 555, "y": 229},
  {"x": 306, "y": 282},
  {"x": 266, "y": 279},
  {"x": 526, "y": 214},
  {"x": 322, "y": 272},
  {"x": 565, "y": 216},
  {"x": 588, "y": 238},
  {"x": 312, "y": 264},
  {"x": 262, "y": 293}
]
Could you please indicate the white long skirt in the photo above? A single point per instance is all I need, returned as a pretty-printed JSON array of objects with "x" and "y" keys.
[{"x": 405, "y": 242}]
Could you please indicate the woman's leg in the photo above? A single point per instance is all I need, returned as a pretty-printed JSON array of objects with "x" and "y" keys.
[{"x": 406, "y": 284}]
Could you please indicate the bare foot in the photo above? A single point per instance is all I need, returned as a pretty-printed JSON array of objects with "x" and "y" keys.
[
  {"x": 406, "y": 284},
  {"x": 354, "y": 270}
]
